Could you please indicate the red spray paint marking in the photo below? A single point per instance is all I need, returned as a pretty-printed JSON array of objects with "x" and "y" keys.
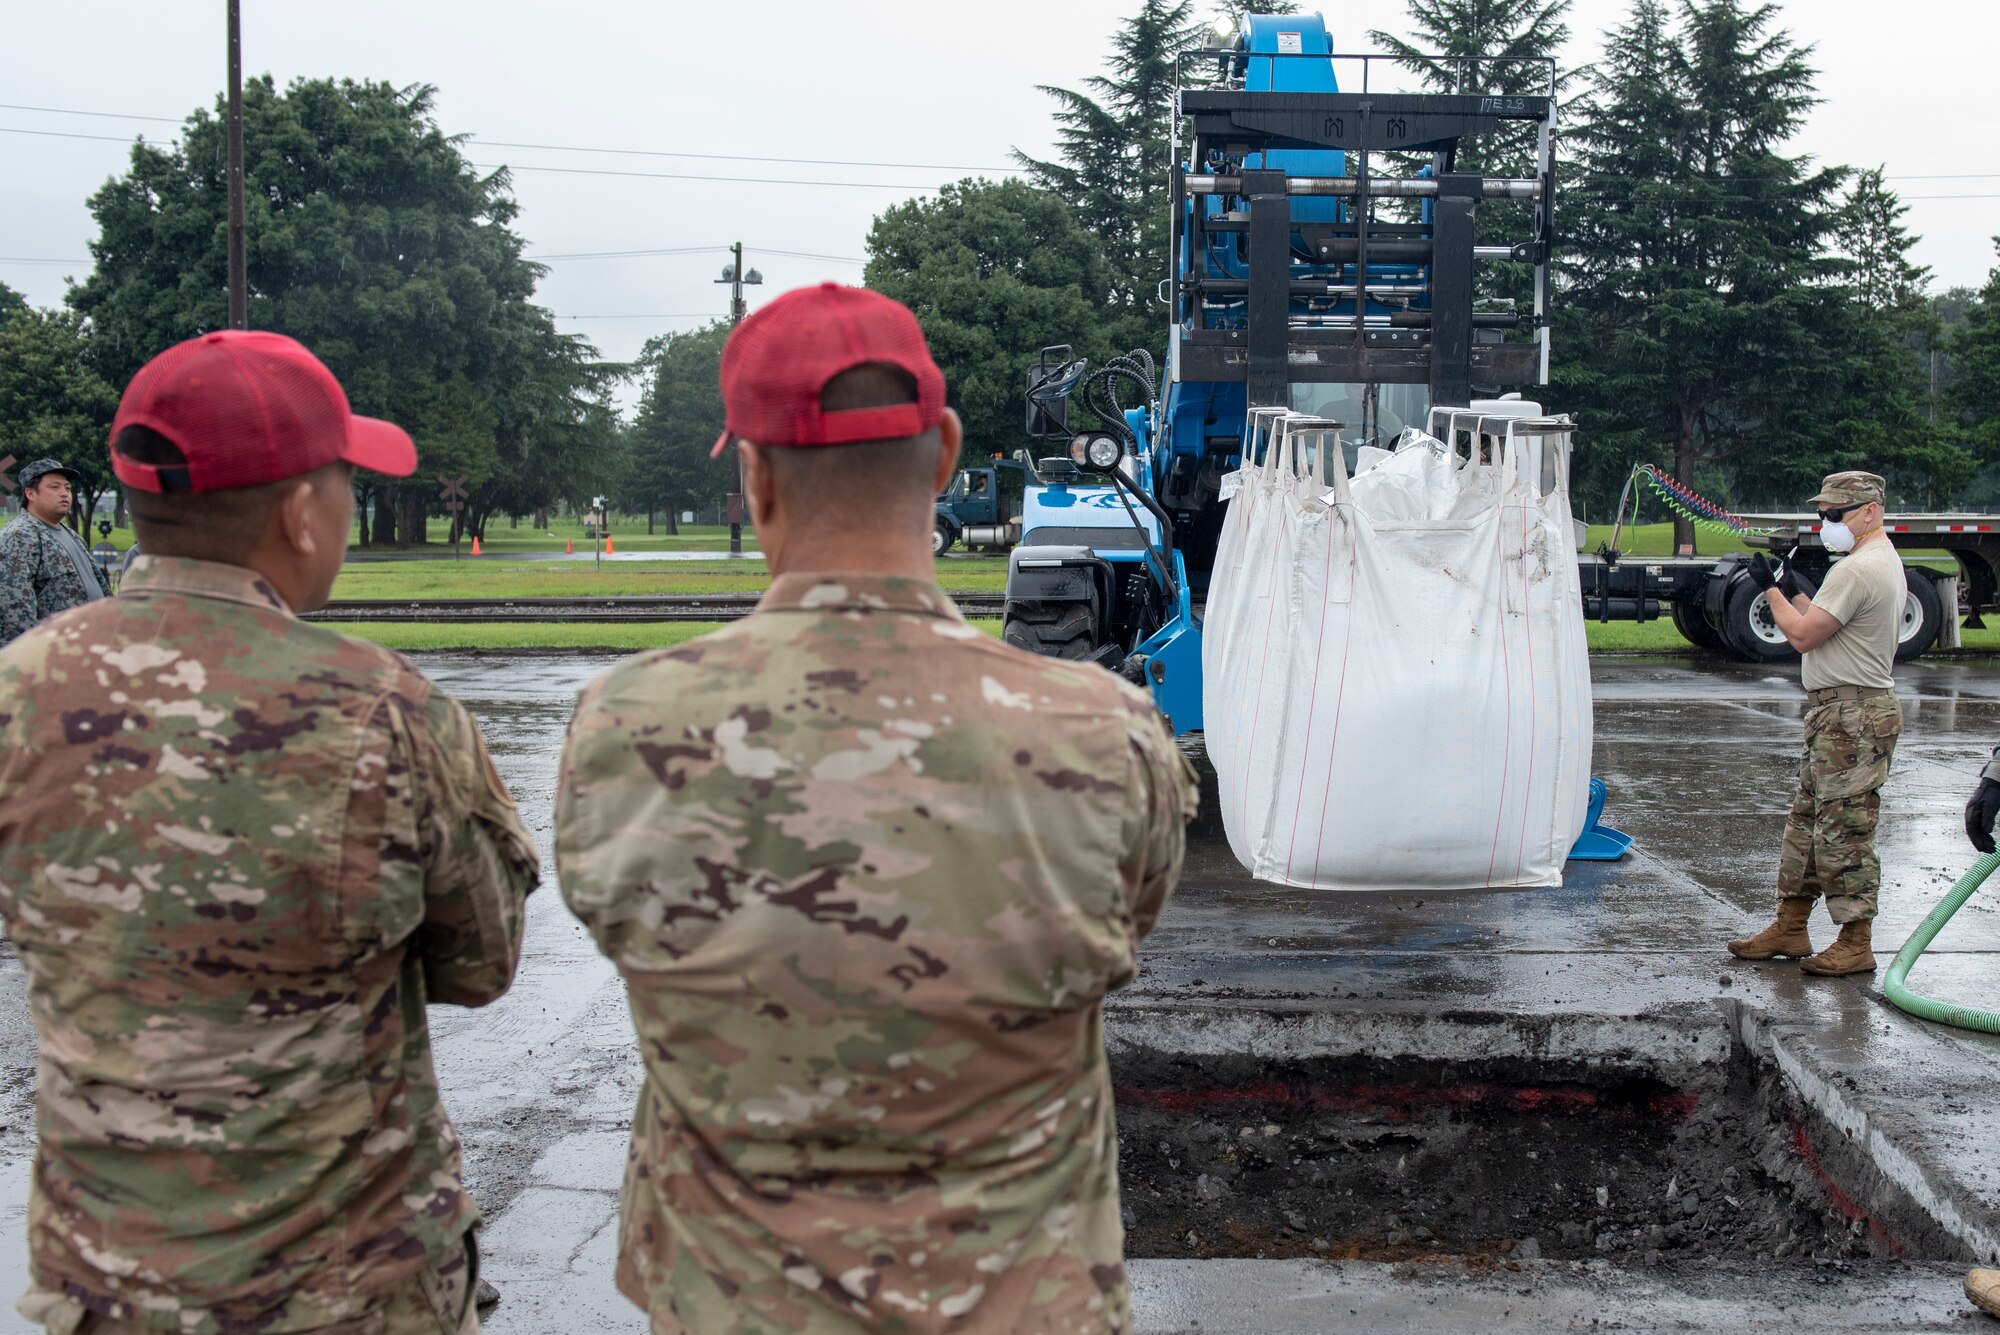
[
  {"x": 1410, "y": 1101},
  {"x": 1849, "y": 1208}
]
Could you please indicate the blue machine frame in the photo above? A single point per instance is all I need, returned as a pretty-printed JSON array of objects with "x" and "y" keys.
[{"x": 1279, "y": 164}]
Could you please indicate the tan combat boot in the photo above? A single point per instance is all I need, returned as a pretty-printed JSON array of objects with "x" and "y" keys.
[
  {"x": 1853, "y": 951},
  {"x": 1983, "y": 1287},
  {"x": 1786, "y": 936}
]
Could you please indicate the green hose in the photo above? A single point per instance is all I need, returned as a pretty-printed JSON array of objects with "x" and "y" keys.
[{"x": 1963, "y": 1017}]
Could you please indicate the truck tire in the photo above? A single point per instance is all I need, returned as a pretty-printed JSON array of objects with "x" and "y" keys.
[
  {"x": 1053, "y": 630},
  {"x": 1750, "y": 630},
  {"x": 1922, "y": 619},
  {"x": 1694, "y": 628},
  {"x": 941, "y": 538}
]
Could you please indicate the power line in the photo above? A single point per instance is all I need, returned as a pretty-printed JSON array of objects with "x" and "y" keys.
[
  {"x": 106, "y": 115},
  {"x": 741, "y": 157},
  {"x": 690, "y": 250},
  {"x": 661, "y": 315},
  {"x": 583, "y": 148},
  {"x": 71, "y": 134},
  {"x": 626, "y": 254},
  {"x": 679, "y": 176},
  {"x": 22, "y": 259}
]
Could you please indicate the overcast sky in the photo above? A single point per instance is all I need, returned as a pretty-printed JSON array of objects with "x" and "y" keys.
[{"x": 936, "y": 90}]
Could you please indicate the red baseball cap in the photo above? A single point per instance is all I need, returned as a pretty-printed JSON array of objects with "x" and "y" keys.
[
  {"x": 247, "y": 408},
  {"x": 777, "y": 361}
]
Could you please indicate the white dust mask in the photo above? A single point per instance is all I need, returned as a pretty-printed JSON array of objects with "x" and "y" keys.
[{"x": 1837, "y": 536}]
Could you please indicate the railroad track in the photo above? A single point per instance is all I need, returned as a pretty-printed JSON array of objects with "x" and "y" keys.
[{"x": 647, "y": 607}]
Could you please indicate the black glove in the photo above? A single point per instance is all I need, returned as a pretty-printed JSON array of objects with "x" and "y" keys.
[
  {"x": 1979, "y": 813},
  {"x": 1766, "y": 573},
  {"x": 1788, "y": 583}
]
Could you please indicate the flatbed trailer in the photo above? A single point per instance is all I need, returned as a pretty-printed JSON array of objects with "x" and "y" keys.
[{"x": 1713, "y": 604}]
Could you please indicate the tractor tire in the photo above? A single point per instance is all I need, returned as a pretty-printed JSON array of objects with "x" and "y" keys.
[
  {"x": 1922, "y": 619},
  {"x": 941, "y": 539},
  {"x": 1053, "y": 630},
  {"x": 1693, "y": 625},
  {"x": 1751, "y": 632}
]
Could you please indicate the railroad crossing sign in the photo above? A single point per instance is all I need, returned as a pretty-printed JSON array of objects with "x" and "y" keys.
[
  {"x": 7, "y": 484},
  {"x": 451, "y": 490}
]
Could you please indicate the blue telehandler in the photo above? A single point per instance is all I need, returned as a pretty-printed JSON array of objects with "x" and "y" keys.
[{"x": 1324, "y": 260}]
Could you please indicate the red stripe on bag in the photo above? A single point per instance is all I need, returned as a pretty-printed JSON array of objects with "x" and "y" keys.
[
  {"x": 1264, "y": 662},
  {"x": 1312, "y": 709},
  {"x": 1507, "y": 679},
  {"x": 1528, "y": 629},
  {"x": 1339, "y": 699}
]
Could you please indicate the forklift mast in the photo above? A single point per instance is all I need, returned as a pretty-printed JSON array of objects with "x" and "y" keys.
[{"x": 1326, "y": 237}]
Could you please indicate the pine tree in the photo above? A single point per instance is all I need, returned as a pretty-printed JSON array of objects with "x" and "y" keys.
[
  {"x": 1509, "y": 30},
  {"x": 1883, "y": 381},
  {"x": 1113, "y": 145},
  {"x": 1975, "y": 392},
  {"x": 1706, "y": 300}
]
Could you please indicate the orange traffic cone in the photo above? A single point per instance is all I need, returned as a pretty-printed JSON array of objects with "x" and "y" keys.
[
  {"x": 475, "y": 544},
  {"x": 610, "y": 548},
  {"x": 569, "y": 547}
]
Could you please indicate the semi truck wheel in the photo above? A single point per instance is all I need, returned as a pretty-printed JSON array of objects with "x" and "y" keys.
[
  {"x": 941, "y": 539},
  {"x": 1053, "y": 630},
  {"x": 1922, "y": 619},
  {"x": 1694, "y": 628},
  {"x": 1751, "y": 631}
]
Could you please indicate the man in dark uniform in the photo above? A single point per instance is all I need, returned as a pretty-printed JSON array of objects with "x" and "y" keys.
[{"x": 44, "y": 567}]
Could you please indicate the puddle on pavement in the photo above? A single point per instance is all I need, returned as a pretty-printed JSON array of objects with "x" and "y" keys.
[{"x": 1488, "y": 1159}]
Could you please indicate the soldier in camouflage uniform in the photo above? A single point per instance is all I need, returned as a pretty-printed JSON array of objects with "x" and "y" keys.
[
  {"x": 1847, "y": 634},
  {"x": 238, "y": 855},
  {"x": 44, "y": 567},
  {"x": 869, "y": 875}
]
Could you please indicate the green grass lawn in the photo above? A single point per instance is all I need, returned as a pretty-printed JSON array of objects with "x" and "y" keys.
[
  {"x": 421, "y": 637},
  {"x": 412, "y": 637},
  {"x": 628, "y": 534},
  {"x": 491, "y": 577},
  {"x": 1618, "y": 637}
]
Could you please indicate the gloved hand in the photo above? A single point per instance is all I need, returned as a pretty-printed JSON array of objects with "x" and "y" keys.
[
  {"x": 1788, "y": 584},
  {"x": 1766, "y": 573},
  {"x": 1979, "y": 813}
]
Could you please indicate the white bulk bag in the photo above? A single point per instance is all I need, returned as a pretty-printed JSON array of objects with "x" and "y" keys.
[{"x": 1397, "y": 693}]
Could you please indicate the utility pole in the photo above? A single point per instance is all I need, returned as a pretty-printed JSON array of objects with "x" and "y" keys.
[
  {"x": 239, "y": 289},
  {"x": 733, "y": 274}
]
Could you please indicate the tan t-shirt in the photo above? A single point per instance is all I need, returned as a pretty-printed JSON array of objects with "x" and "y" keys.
[{"x": 1864, "y": 592}]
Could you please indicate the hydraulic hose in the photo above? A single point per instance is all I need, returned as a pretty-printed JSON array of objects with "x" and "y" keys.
[{"x": 1962, "y": 1017}]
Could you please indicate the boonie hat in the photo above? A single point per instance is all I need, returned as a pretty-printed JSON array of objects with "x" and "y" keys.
[
  {"x": 246, "y": 407},
  {"x": 778, "y": 360},
  {"x": 1855, "y": 488},
  {"x": 32, "y": 473}
]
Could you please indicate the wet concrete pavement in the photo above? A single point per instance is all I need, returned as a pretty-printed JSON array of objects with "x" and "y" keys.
[{"x": 1700, "y": 759}]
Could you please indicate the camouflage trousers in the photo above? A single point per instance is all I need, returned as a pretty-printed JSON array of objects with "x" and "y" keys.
[
  {"x": 436, "y": 1301},
  {"x": 1830, "y": 836}
]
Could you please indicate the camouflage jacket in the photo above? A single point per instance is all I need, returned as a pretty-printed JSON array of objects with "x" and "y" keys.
[
  {"x": 238, "y": 854},
  {"x": 37, "y": 577},
  {"x": 869, "y": 874}
]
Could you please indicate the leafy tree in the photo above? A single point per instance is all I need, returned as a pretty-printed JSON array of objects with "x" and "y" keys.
[
  {"x": 1113, "y": 144},
  {"x": 1882, "y": 383},
  {"x": 679, "y": 417},
  {"x": 11, "y": 301},
  {"x": 1705, "y": 300},
  {"x": 53, "y": 403},
  {"x": 995, "y": 272},
  {"x": 1975, "y": 392},
  {"x": 1500, "y": 46},
  {"x": 371, "y": 240},
  {"x": 558, "y": 436}
]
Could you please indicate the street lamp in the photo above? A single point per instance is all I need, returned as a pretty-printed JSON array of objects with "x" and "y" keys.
[{"x": 734, "y": 275}]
